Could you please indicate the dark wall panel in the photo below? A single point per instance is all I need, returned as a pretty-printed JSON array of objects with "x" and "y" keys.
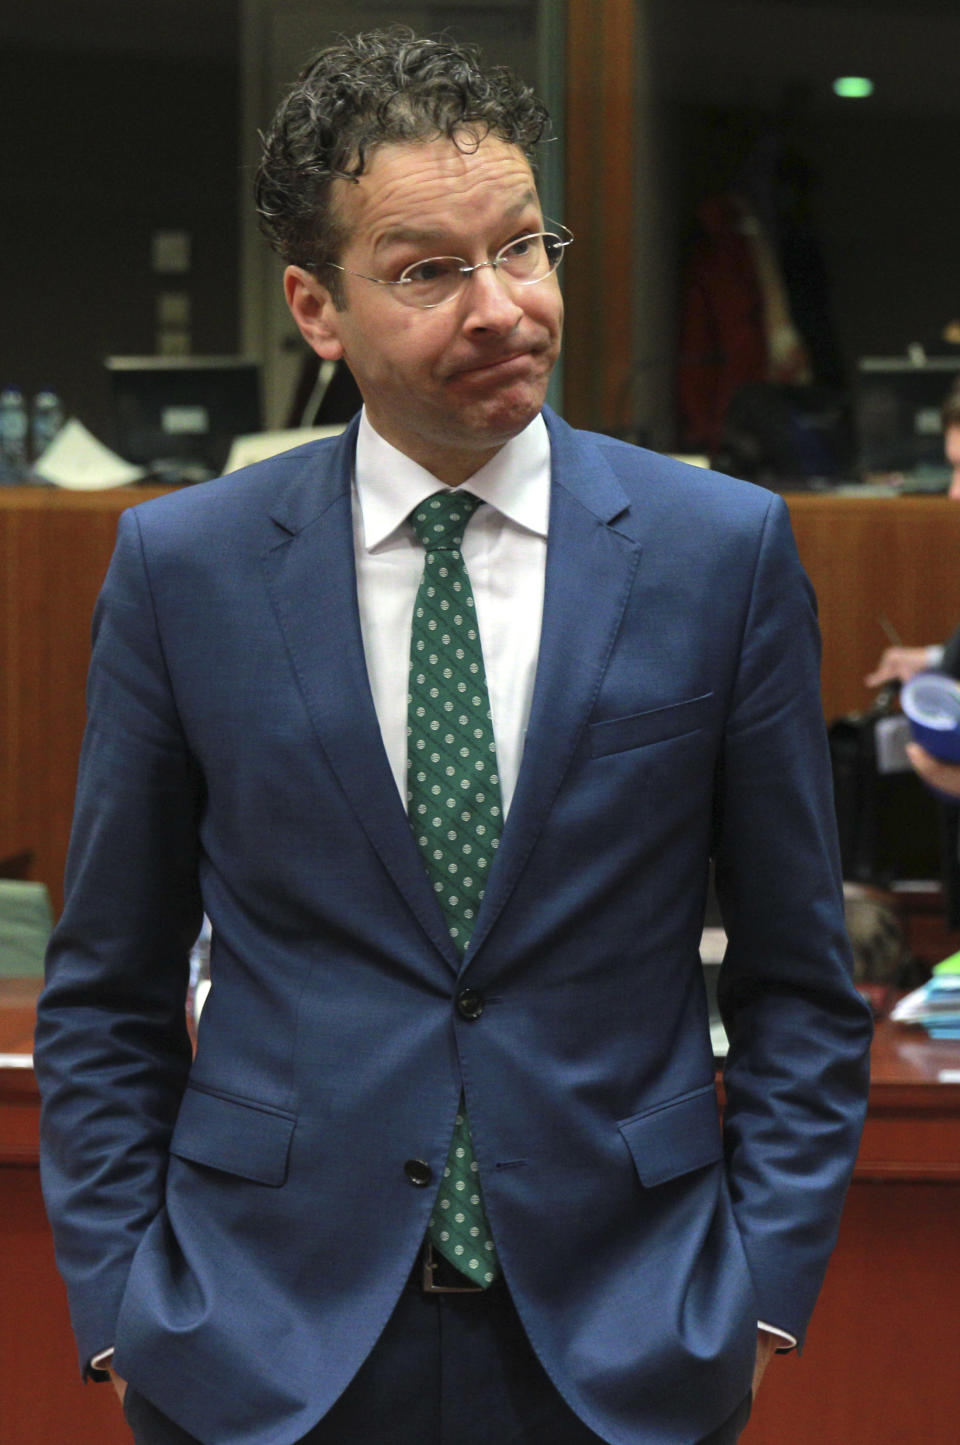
[{"x": 97, "y": 151}]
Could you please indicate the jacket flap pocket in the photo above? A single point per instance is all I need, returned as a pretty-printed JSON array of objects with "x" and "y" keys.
[
  {"x": 676, "y": 1137},
  {"x": 234, "y": 1135},
  {"x": 658, "y": 725}
]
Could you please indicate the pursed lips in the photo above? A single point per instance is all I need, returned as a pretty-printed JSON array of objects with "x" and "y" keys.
[{"x": 494, "y": 363}]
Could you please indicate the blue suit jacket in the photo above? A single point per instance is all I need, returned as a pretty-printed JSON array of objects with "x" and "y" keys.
[{"x": 241, "y": 1225}]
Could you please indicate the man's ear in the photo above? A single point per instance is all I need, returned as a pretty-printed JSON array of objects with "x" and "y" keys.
[{"x": 312, "y": 308}]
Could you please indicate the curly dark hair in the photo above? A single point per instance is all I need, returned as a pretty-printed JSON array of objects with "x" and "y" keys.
[{"x": 380, "y": 87}]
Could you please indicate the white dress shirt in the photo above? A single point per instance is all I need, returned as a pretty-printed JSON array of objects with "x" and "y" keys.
[{"x": 505, "y": 552}]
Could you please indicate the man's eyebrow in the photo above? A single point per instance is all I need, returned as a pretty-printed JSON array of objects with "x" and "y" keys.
[
  {"x": 409, "y": 236},
  {"x": 425, "y": 236}
]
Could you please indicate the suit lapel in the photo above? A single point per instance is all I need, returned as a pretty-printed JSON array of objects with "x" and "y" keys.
[
  {"x": 590, "y": 572},
  {"x": 311, "y": 578}
]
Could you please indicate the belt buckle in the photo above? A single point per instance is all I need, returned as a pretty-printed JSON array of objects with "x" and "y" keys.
[{"x": 431, "y": 1262}]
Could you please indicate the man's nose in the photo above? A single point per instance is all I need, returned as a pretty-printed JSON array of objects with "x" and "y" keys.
[{"x": 491, "y": 303}]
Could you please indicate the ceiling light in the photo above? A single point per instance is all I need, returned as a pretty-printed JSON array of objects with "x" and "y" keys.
[{"x": 853, "y": 87}]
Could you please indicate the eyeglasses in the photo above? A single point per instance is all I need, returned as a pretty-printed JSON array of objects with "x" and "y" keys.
[{"x": 440, "y": 279}]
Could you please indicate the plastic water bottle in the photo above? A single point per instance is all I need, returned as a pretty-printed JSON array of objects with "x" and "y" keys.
[
  {"x": 13, "y": 437},
  {"x": 46, "y": 421}
]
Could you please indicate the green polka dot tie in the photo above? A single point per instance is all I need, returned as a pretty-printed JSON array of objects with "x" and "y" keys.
[{"x": 453, "y": 797}]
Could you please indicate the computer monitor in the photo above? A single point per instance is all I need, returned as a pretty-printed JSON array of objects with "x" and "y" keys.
[
  {"x": 897, "y": 413},
  {"x": 177, "y": 416}
]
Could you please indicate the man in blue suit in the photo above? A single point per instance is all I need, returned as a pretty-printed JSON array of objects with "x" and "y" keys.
[{"x": 505, "y": 999}]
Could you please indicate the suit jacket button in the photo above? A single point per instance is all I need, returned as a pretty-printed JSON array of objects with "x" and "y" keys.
[
  {"x": 418, "y": 1171},
  {"x": 469, "y": 1004}
]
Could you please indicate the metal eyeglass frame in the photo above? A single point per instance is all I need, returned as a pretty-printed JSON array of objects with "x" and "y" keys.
[{"x": 563, "y": 236}]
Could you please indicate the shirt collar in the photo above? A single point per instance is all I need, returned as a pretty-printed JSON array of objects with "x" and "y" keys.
[{"x": 389, "y": 484}]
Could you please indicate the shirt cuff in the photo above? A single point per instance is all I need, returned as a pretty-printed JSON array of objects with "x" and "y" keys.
[
  {"x": 935, "y": 654},
  {"x": 101, "y": 1362},
  {"x": 789, "y": 1341}
]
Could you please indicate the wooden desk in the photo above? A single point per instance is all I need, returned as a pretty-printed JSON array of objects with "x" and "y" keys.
[
  {"x": 877, "y": 1368},
  {"x": 879, "y": 1365},
  {"x": 42, "y": 1399}
]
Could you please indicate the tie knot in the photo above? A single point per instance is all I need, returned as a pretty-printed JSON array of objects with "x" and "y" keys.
[{"x": 439, "y": 522}]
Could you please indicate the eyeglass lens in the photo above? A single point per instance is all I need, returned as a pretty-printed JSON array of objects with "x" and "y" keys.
[{"x": 439, "y": 278}]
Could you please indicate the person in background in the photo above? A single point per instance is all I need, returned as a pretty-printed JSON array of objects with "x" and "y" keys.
[
  {"x": 900, "y": 663},
  {"x": 439, "y": 723},
  {"x": 945, "y": 777},
  {"x": 951, "y": 438}
]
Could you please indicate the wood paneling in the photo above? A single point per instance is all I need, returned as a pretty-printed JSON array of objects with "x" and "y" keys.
[
  {"x": 54, "y": 551},
  {"x": 870, "y": 558},
  {"x": 866, "y": 557},
  {"x": 877, "y": 1368}
]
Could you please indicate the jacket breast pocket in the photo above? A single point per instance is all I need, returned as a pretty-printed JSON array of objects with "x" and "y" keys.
[
  {"x": 655, "y": 726},
  {"x": 234, "y": 1135},
  {"x": 675, "y": 1138}
]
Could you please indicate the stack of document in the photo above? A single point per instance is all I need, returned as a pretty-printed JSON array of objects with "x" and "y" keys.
[{"x": 936, "y": 1006}]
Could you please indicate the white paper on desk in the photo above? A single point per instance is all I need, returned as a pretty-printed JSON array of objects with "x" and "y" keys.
[
  {"x": 925, "y": 1002},
  {"x": 77, "y": 461},
  {"x": 911, "y": 1008}
]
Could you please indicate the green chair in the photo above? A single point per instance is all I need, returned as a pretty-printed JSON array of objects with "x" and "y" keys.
[{"x": 26, "y": 919}]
